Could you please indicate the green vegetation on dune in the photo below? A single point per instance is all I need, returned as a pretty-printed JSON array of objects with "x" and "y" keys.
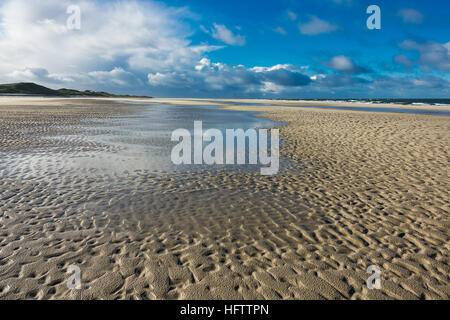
[
  {"x": 29, "y": 88},
  {"x": 26, "y": 88}
]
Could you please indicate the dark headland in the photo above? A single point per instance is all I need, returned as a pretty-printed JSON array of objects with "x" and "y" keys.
[{"x": 29, "y": 88}]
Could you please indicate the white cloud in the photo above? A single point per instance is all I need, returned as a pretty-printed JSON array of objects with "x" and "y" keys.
[
  {"x": 318, "y": 77},
  {"x": 117, "y": 76},
  {"x": 272, "y": 88},
  {"x": 411, "y": 16},
  {"x": 280, "y": 30},
  {"x": 222, "y": 33},
  {"x": 292, "y": 15},
  {"x": 316, "y": 26},
  {"x": 341, "y": 63},
  {"x": 344, "y": 64},
  {"x": 117, "y": 39},
  {"x": 432, "y": 53},
  {"x": 28, "y": 74},
  {"x": 288, "y": 67},
  {"x": 403, "y": 60},
  {"x": 159, "y": 79},
  {"x": 205, "y": 63}
]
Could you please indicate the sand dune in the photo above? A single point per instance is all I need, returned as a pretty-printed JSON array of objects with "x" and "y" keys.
[{"x": 374, "y": 191}]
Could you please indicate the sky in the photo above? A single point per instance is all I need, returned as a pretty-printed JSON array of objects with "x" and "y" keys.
[{"x": 229, "y": 49}]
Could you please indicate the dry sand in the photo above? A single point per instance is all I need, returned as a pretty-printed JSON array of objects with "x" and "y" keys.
[{"x": 374, "y": 192}]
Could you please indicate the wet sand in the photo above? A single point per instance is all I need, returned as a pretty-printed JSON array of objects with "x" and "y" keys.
[{"x": 373, "y": 191}]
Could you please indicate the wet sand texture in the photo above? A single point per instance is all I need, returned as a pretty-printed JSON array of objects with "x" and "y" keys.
[{"x": 374, "y": 191}]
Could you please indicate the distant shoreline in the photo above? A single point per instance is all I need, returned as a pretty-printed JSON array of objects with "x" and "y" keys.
[
  {"x": 253, "y": 104},
  {"x": 29, "y": 89}
]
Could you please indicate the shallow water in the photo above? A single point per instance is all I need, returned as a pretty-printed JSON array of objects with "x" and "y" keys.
[{"x": 137, "y": 143}]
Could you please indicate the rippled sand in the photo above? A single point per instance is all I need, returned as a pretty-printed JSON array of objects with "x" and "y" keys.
[{"x": 374, "y": 191}]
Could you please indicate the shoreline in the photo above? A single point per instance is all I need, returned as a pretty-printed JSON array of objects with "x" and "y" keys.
[{"x": 24, "y": 100}]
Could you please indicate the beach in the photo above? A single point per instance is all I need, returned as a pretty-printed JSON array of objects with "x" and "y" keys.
[{"x": 372, "y": 189}]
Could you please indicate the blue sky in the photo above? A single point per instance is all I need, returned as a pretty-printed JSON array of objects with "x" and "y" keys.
[{"x": 240, "y": 49}]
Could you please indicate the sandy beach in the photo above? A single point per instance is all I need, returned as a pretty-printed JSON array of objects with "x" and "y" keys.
[{"x": 373, "y": 190}]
